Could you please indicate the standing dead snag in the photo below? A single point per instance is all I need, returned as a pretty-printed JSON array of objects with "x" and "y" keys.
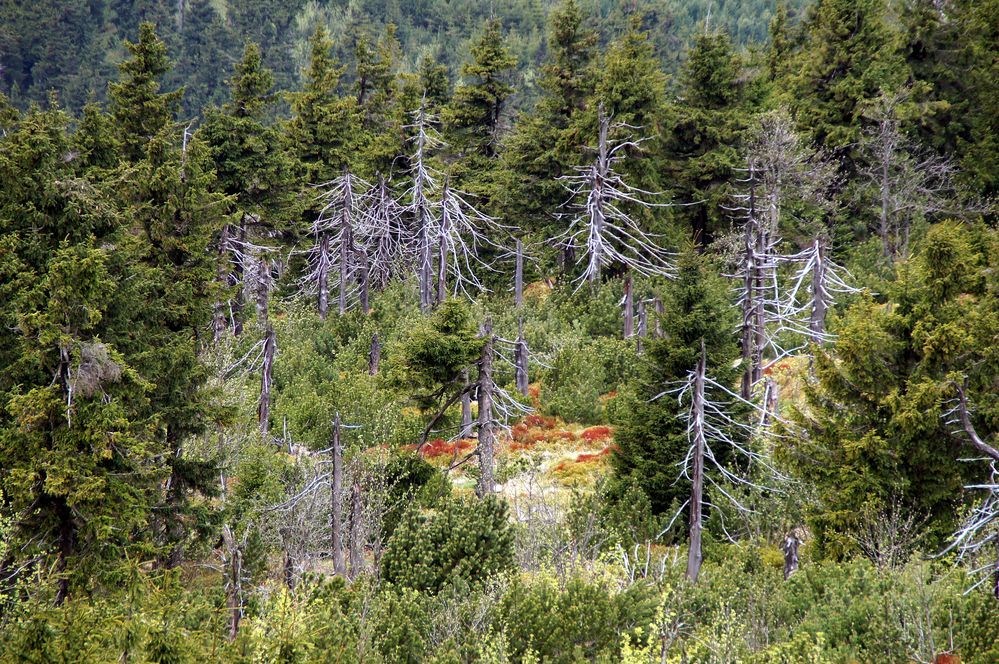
[
  {"x": 981, "y": 528},
  {"x": 420, "y": 207},
  {"x": 382, "y": 231},
  {"x": 336, "y": 502},
  {"x": 711, "y": 425},
  {"x": 486, "y": 433},
  {"x": 790, "y": 548},
  {"x": 266, "y": 380},
  {"x": 521, "y": 358},
  {"x": 466, "y": 407},
  {"x": 694, "y": 555},
  {"x": 602, "y": 231},
  {"x": 629, "y": 309},
  {"x": 374, "y": 355},
  {"x": 518, "y": 275}
]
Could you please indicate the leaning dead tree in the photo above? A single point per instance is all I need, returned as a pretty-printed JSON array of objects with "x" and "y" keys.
[
  {"x": 907, "y": 181},
  {"x": 603, "y": 231},
  {"x": 713, "y": 424},
  {"x": 980, "y": 530}
]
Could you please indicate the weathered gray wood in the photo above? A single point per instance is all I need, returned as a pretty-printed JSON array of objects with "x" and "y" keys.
[
  {"x": 695, "y": 555},
  {"x": 486, "y": 434},
  {"x": 336, "y": 502},
  {"x": 374, "y": 355},
  {"x": 629, "y": 309},
  {"x": 521, "y": 359},
  {"x": 266, "y": 380},
  {"x": 518, "y": 277}
]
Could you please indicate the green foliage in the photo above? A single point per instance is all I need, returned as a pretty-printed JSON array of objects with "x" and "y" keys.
[{"x": 459, "y": 540}]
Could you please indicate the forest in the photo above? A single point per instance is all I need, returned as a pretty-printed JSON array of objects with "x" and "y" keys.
[{"x": 538, "y": 331}]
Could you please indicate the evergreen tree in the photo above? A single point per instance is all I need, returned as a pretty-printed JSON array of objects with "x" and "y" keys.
[
  {"x": 704, "y": 144},
  {"x": 876, "y": 438},
  {"x": 475, "y": 115},
  {"x": 652, "y": 440},
  {"x": 139, "y": 109}
]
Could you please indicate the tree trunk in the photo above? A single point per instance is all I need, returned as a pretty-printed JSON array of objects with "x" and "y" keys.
[
  {"x": 219, "y": 317},
  {"x": 660, "y": 310},
  {"x": 266, "y": 380},
  {"x": 374, "y": 355},
  {"x": 263, "y": 290},
  {"x": 486, "y": 434},
  {"x": 336, "y": 503},
  {"x": 629, "y": 309},
  {"x": 322, "y": 277},
  {"x": 695, "y": 556},
  {"x": 791, "y": 544},
  {"x": 466, "y": 407},
  {"x": 234, "y": 582},
  {"x": 820, "y": 297},
  {"x": 521, "y": 358},
  {"x": 643, "y": 325},
  {"x": 518, "y": 278},
  {"x": 237, "y": 278}
]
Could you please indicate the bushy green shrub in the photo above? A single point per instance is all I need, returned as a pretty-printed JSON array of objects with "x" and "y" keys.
[
  {"x": 464, "y": 539},
  {"x": 582, "y": 372}
]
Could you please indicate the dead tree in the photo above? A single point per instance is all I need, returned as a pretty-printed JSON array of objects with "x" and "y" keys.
[
  {"x": 345, "y": 202},
  {"x": 710, "y": 426},
  {"x": 420, "y": 208},
  {"x": 909, "y": 182},
  {"x": 980, "y": 530},
  {"x": 266, "y": 380},
  {"x": 232, "y": 561},
  {"x": 643, "y": 326},
  {"x": 383, "y": 233},
  {"x": 374, "y": 355},
  {"x": 792, "y": 541},
  {"x": 825, "y": 280},
  {"x": 336, "y": 502},
  {"x": 694, "y": 554},
  {"x": 518, "y": 275},
  {"x": 660, "y": 310},
  {"x": 521, "y": 359},
  {"x": 264, "y": 283},
  {"x": 629, "y": 309},
  {"x": 602, "y": 231},
  {"x": 485, "y": 394}
]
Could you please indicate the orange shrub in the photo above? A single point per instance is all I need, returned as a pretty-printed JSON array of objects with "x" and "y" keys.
[
  {"x": 440, "y": 447},
  {"x": 539, "y": 422}
]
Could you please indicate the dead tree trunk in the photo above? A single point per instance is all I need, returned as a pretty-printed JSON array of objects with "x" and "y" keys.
[
  {"x": 234, "y": 580},
  {"x": 820, "y": 295},
  {"x": 660, "y": 310},
  {"x": 521, "y": 357},
  {"x": 748, "y": 307},
  {"x": 336, "y": 502},
  {"x": 323, "y": 277},
  {"x": 266, "y": 380},
  {"x": 237, "y": 279},
  {"x": 790, "y": 548},
  {"x": 518, "y": 276},
  {"x": 629, "y": 309},
  {"x": 356, "y": 532},
  {"x": 643, "y": 325},
  {"x": 374, "y": 355},
  {"x": 466, "y": 407},
  {"x": 263, "y": 289},
  {"x": 486, "y": 434},
  {"x": 219, "y": 316},
  {"x": 695, "y": 556}
]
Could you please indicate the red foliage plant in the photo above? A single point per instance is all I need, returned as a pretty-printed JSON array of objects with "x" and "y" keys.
[
  {"x": 439, "y": 447},
  {"x": 597, "y": 433},
  {"x": 539, "y": 422},
  {"x": 586, "y": 457}
]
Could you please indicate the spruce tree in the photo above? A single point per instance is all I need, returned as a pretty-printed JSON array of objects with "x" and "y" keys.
[{"x": 139, "y": 109}]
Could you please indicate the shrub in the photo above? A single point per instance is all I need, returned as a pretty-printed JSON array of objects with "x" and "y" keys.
[{"x": 465, "y": 539}]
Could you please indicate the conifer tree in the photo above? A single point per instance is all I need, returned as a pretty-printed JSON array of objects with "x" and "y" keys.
[
  {"x": 139, "y": 109},
  {"x": 653, "y": 439}
]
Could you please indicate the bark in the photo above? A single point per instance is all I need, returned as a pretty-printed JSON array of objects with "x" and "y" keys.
[
  {"x": 820, "y": 297},
  {"x": 486, "y": 433},
  {"x": 518, "y": 278},
  {"x": 695, "y": 556},
  {"x": 374, "y": 355},
  {"x": 234, "y": 582},
  {"x": 790, "y": 548},
  {"x": 237, "y": 280},
  {"x": 643, "y": 325},
  {"x": 629, "y": 309},
  {"x": 219, "y": 317},
  {"x": 336, "y": 503},
  {"x": 748, "y": 309},
  {"x": 759, "y": 320},
  {"x": 263, "y": 289},
  {"x": 660, "y": 310},
  {"x": 323, "y": 278},
  {"x": 466, "y": 406},
  {"x": 521, "y": 358},
  {"x": 266, "y": 380}
]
